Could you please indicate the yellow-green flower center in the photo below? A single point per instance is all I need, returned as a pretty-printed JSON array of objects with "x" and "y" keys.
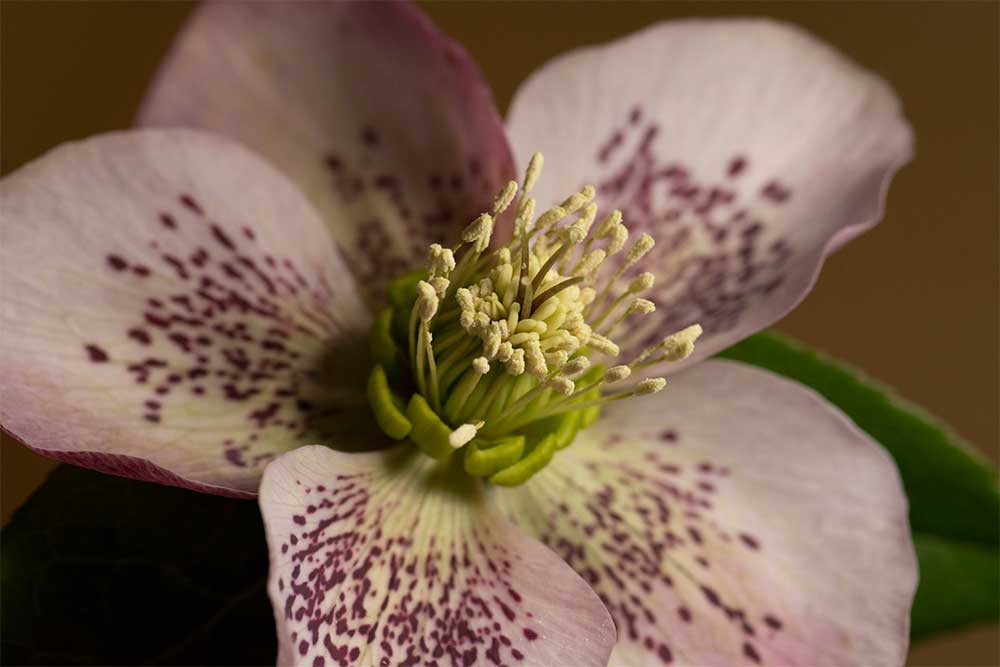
[{"x": 501, "y": 356}]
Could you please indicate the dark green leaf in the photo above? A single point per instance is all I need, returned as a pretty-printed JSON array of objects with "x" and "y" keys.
[
  {"x": 958, "y": 585},
  {"x": 954, "y": 503},
  {"x": 100, "y": 570}
]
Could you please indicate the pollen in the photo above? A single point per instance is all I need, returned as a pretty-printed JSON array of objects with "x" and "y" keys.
[{"x": 506, "y": 346}]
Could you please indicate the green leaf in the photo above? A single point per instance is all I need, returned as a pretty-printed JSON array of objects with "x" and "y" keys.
[
  {"x": 952, "y": 491},
  {"x": 101, "y": 570},
  {"x": 958, "y": 585}
]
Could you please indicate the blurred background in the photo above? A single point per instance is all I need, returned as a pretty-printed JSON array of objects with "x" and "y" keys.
[{"x": 914, "y": 302}]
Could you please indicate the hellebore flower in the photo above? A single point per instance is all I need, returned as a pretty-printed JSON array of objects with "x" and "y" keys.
[{"x": 177, "y": 309}]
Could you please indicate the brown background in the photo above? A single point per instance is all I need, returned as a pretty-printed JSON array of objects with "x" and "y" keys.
[{"x": 914, "y": 302}]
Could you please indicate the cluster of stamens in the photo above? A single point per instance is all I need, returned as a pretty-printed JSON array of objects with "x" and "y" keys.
[{"x": 507, "y": 347}]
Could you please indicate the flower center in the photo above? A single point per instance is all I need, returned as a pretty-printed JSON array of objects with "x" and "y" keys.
[{"x": 504, "y": 353}]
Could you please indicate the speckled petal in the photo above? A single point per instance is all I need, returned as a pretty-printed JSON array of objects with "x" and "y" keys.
[
  {"x": 379, "y": 559},
  {"x": 384, "y": 122},
  {"x": 174, "y": 310},
  {"x": 733, "y": 519},
  {"x": 747, "y": 148}
]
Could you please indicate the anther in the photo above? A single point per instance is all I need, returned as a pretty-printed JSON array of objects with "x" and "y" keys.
[
  {"x": 463, "y": 434},
  {"x": 576, "y": 366},
  {"x": 427, "y": 301},
  {"x": 680, "y": 345},
  {"x": 619, "y": 236},
  {"x": 440, "y": 260},
  {"x": 617, "y": 374},
  {"x": 532, "y": 173},
  {"x": 504, "y": 198},
  {"x": 589, "y": 263},
  {"x": 650, "y": 386},
  {"x": 603, "y": 345},
  {"x": 563, "y": 385},
  {"x": 641, "y": 246}
]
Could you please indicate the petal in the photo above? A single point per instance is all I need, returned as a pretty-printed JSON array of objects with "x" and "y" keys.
[
  {"x": 377, "y": 560},
  {"x": 173, "y": 310},
  {"x": 385, "y": 123},
  {"x": 747, "y": 148},
  {"x": 739, "y": 519}
]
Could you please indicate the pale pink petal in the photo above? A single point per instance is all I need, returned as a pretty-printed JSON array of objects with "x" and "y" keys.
[
  {"x": 173, "y": 309},
  {"x": 734, "y": 519},
  {"x": 747, "y": 148},
  {"x": 380, "y": 559},
  {"x": 384, "y": 122}
]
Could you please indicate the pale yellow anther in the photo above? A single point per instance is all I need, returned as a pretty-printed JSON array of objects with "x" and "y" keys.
[
  {"x": 650, "y": 386},
  {"x": 586, "y": 220},
  {"x": 427, "y": 301},
  {"x": 533, "y": 171},
  {"x": 574, "y": 234},
  {"x": 641, "y": 246},
  {"x": 440, "y": 260},
  {"x": 680, "y": 345},
  {"x": 550, "y": 217},
  {"x": 619, "y": 237},
  {"x": 515, "y": 366},
  {"x": 608, "y": 224},
  {"x": 534, "y": 359},
  {"x": 563, "y": 385},
  {"x": 617, "y": 374},
  {"x": 440, "y": 285},
  {"x": 502, "y": 329},
  {"x": 641, "y": 307},
  {"x": 481, "y": 365},
  {"x": 587, "y": 296},
  {"x": 462, "y": 435},
  {"x": 641, "y": 282},
  {"x": 483, "y": 242},
  {"x": 525, "y": 212},
  {"x": 574, "y": 366},
  {"x": 590, "y": 263},
  {"x": 464, "y": 298},
  {"x": 556, "y": 359},
  {"x": 491, "y": 345},
  {"x": 563, "y": 340},
  {"x": 583, "y": 331},
  {"x": 505, "y": 352},
  {"x": 467, "y": 320},
  {"x": 478, "y": 228},
  {"x": 575, "y": 202},
  {"x": 504, "y": 198},
  {"x": 603, "y": 344}
]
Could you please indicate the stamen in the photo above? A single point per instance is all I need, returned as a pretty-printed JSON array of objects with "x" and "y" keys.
[
  {"x": 639, "y": 284},
  {"x": 532, "y": 173},
  {"x": 675, "y": 347},
  {"x": 502, "y": 340},
  {"x": 440, "y": 261},
  {"x": 463, "y": 434},
  {"x": 504, "y": 198}
]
